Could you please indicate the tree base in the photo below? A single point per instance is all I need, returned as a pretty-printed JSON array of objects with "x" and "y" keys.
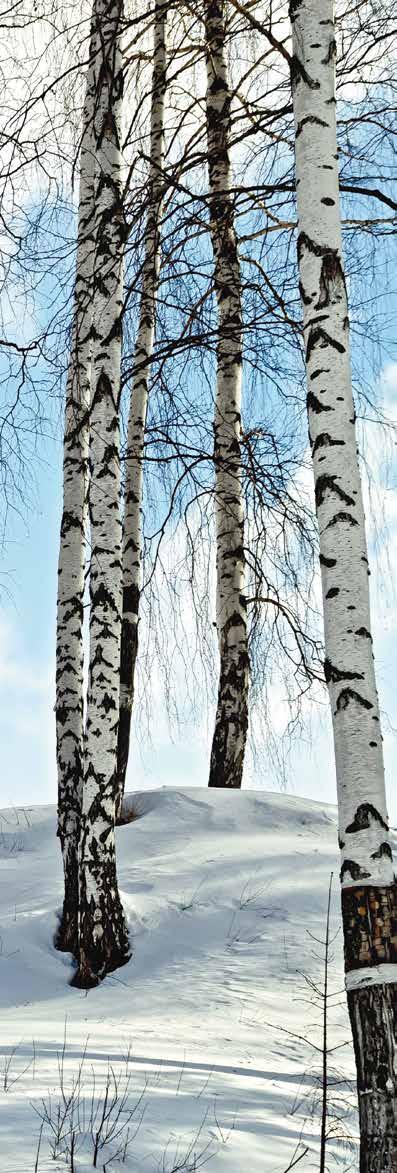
[
  {"x": 66, "y": 936},
  {"x": 373, "y": 1018},
  {"x": 83, "y": 980},
  {"x": 214, "y": 784},
  {"x": 103, "y": 936},
  {"x": 86, "y": 978}
]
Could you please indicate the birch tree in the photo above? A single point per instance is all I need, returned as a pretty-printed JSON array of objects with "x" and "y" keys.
[
  {"x": 231, "y": 721},
  {"x": 132, "y": 536},
  {"x": 71, "y": 569},
  {"x": 103, "y": 940},
  {"x": 367, "y": 877}
]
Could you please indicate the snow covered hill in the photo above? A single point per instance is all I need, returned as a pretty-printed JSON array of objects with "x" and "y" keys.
[{"x": 196, "y": 1039}]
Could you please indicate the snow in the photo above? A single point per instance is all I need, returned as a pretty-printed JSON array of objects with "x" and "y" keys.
[{"x": 226, "y": 893}]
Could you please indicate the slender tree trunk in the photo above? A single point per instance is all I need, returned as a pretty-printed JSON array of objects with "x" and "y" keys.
[
  {"x": 132, "y": 539},
  {"x": 103, "y": 941},
  {"x": 69, "y": 648},
  {"x": 369, "y": 903},
  {"x": 231, "y": 721}
]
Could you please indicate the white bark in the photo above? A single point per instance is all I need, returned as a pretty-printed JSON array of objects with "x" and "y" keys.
[
  {"x": 69, "y": 648},
  {"x": 369, "y": 895},
  {"x": 102, "y": 933},
  {"x": 349, "y": 666},
  {"x": 132, "y": 537},
  {"x": 377, "y": 975},
  {"x": 231, "y": 722}
]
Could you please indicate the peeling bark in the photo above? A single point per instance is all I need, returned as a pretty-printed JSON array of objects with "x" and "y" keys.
[
  {"x": 367, "y": 877},
  {"x": 231, "y": 721},
  {"x": 103, "y": 940},
  {"x": 69, "y": 645},
  {"x": 370, "y": 923},
  {"x": 132, "y": 538}
]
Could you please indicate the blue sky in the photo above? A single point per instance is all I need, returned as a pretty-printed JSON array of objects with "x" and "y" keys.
[
  {"x": 27, "y": 641},
  {"x": 28, "y": 580}
]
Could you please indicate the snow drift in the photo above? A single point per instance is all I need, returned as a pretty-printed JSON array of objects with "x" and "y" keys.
[{"x": 210, "y": 1033}]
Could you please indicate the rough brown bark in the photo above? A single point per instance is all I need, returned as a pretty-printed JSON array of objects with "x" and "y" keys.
[
  {"x": 370, "y": 926},
  {"x": 373, "y": 1017}
]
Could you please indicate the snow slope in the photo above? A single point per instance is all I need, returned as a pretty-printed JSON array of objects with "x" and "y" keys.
[{"x": 224, "y": 893}]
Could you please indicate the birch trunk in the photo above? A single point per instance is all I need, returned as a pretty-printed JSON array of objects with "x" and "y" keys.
[
  {"x": 103, "y": 941},
  {"x": 69, "y": 646},
  {"x": 368, "y": 888},
  {"x": 132, "y": 538},
  {"x": 231, "y": 721}
]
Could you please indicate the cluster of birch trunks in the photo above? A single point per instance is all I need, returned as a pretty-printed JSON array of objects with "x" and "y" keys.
[{"x": 101, "y": 526}]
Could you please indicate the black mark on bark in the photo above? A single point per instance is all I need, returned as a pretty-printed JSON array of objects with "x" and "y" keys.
[
  {"x": 320, "y": 337},
  {"x": 324, "y": 440},
  {"x": 328, "y": 484},
  {"x": 342, "y": 517},
  {"x": 365, "y": 813},
  {"x": 384, "y": 849},
  {"x": 314, "y": 404},
  {"x": 330, "y": 562},
  {"x": 334, "y": 674},
  {"x": 350, "y": 867},
  {"x": 349, "y": 694}
]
